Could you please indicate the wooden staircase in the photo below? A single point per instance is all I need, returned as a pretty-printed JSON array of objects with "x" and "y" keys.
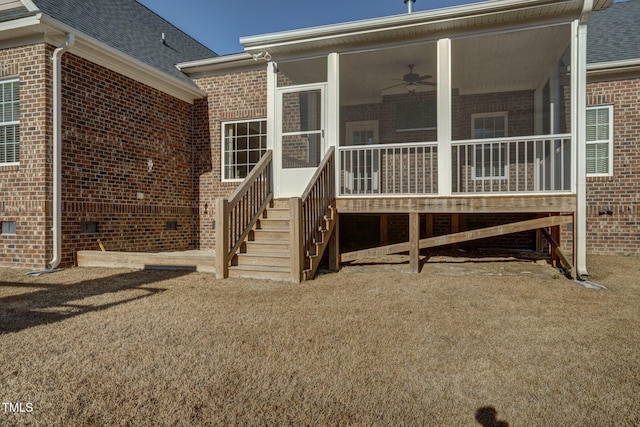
[
  {"x": 259, "y": 237},
  {"x": 267, "y": 251}
]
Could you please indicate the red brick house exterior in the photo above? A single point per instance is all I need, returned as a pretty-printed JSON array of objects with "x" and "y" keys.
[
  {"x": 127, "y": 126},
  {"x": 142, "y": 160}
]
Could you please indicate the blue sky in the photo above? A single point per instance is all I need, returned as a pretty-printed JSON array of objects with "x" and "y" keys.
[{"x": 219, "y": 24}]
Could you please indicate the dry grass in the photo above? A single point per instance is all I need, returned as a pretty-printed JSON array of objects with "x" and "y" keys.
[{"x": 371, "y": 345}]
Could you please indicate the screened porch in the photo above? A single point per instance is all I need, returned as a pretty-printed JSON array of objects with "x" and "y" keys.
[{"x": 488, "y": 114}]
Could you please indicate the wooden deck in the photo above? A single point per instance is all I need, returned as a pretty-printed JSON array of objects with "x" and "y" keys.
[
  {"x": 469, "y": 205},
  {"x": 192, "y": 260}
]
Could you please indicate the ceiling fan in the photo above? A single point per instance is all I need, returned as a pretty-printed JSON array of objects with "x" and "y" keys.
[{"x": 412, "y": 80}]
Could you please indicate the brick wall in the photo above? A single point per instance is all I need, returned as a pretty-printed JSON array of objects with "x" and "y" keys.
[
  {"x": 230, "y": 96},
  {"x": 126, "y": 163},
  {"x": 25, "y": 189},
  {"x": 613, "y": 203}
]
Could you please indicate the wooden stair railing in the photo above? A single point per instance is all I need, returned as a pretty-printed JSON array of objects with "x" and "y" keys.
[
  {"x": 317, "y": 218},
  {"x": 236, "y": 216}
]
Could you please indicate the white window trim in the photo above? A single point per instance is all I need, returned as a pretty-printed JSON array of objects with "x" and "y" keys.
[
  {"x": 505, "y": 161},
  {"x": 223, "y": 156},
  {"x": 609, "y": 141},
  {"x": 11, "y": 123}
]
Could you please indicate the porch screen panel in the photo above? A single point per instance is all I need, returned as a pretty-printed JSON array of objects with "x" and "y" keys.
[
  {"x": 389, "y": 120},
  {"x": 511, "y": 103},
  {"x": 301, "y": 129}
]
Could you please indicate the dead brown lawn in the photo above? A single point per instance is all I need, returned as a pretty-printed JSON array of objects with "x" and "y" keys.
[{"x": 371, "y": 345}]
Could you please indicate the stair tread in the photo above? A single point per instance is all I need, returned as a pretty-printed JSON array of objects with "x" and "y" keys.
[
  {"x": 265, "y": 254},
  {"x": 270, "y": 268}
]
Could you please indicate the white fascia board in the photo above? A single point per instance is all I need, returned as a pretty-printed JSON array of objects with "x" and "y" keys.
[
  {"x": 450, "y": 14},
  {"x": 220, "y": 63},
  {"x": 31, "y": 7},
  {"x": 22, "y": 23},
  {"x": 121, "y": 63},
  {"x": 613, "y": 67}
]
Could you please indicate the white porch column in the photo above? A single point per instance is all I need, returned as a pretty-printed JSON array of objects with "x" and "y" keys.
[
  {"x": 444, "y": 117},
  {"x": 579, "y": 81},
  {"x": 272, "y": 82},
  {"x": 332, "y": 136}
]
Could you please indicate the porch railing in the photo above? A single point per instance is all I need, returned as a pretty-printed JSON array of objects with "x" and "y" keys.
[
  {"x": 531, "y": 164},
  {"x": 512, "y": 165},
  {"x": 236, "y": 216},
  {"x": 389, "y": 169}
]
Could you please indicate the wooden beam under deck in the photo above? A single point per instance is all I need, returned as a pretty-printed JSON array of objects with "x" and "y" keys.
[
  {"x": 531, "y": 224},
  {"x": 471, "y": 205}
]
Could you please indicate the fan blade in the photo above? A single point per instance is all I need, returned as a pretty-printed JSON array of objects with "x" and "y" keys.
[
  {"x": 426, "y": 76},
  {"x": 426, "y": 83},
  {"x": 391, "y": 87}
]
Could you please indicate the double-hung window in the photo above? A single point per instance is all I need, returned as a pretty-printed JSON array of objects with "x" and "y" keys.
[
  {"x": 599, "y": 140},
  {"x": 491, "y": 158},
  {"x": 9, "y": 122},
  {"x": 244, "y": 142}
]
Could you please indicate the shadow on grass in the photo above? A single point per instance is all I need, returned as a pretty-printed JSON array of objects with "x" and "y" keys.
[
  {"x": 487, "y": 417},
  {"x": 57, "y": 302}
]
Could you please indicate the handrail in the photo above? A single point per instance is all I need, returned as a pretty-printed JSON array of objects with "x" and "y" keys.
[
  {"x": 318, "y": 172},
  {"x": 236, "y": 216},
  {"x": 511, "y": 139},
  {"x": 257, "y": 170},
  {"x": 316, "y": 199}
]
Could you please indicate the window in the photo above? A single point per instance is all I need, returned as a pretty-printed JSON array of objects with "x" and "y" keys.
[
  {"x": 244, "y": 143},
  {"x": 599, "y": 139},
  {"x": 490, "y": 159},
  {"x": 9, "y": 227},
  {"x": 171, "y": 226},
  {"x": 417, "y": 115},
  {"x": 9, "y": 122},
  {"x": 361, "y": 133}
]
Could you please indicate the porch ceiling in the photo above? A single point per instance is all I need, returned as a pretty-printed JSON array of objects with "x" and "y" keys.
[{"x": 497, "y": 63}]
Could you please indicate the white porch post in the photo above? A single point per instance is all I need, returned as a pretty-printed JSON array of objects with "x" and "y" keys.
[
  {"x": 444, "y": 117},
  {"x": 332, "y": 136},
  {"x": 579, "y": 81},
  {"x": 272, "y": 82}
]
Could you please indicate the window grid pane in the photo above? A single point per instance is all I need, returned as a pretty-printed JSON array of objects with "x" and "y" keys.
[
  {"x": 9, "y": 121},
  {"x": 244, "y": 144},
  {"x": 598, "y": 134}
]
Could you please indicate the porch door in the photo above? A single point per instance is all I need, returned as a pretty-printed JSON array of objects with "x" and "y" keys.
[{"x": 300, "y": 142}]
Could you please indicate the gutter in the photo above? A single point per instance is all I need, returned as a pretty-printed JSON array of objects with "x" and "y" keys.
[
  {"x": 56, "y": 58},
  {"x": 218, "y": 63},
  {"x": 613, "y": 67}
]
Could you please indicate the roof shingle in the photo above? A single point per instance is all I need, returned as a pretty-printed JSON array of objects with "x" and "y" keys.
[
  {"x": 131, "y": 28},
  {"x": 613, "y": 34}
]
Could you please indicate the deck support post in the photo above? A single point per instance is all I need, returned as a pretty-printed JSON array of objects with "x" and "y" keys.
[
  {"x": 222, "y": 239},
  {"x": 296, "y": 234},
  {"x": 414, "y": 242},
  {"x": 384, "y": 229},
  {"x": 334, "y": 244}
]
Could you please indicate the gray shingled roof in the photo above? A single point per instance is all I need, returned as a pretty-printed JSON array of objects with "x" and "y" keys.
[
  {"x": 15, "y": 13},
  {"x": 613, "y": 34},
  {"x": 131, "y": 28}
]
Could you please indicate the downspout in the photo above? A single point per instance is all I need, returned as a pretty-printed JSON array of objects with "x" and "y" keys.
[
  {"x": 56, "y": 58},
  {"x": 581, "y": 188}
]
